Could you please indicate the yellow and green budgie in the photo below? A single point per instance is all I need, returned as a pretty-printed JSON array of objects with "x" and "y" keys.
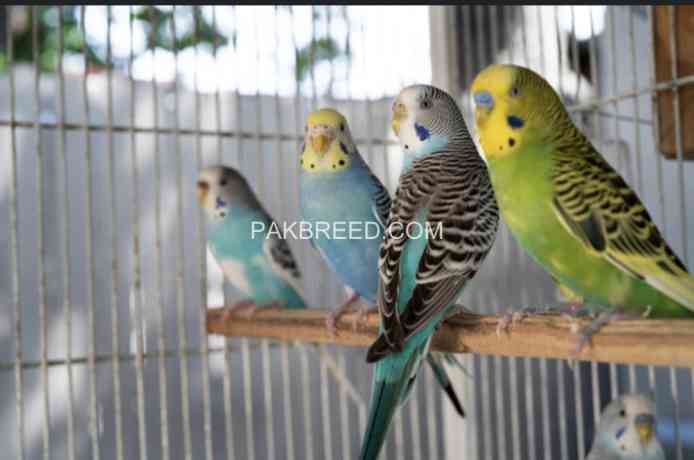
[{"x": 570, "y": 210}]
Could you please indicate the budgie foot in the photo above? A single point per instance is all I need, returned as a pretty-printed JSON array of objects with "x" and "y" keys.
[
  {"x": 361, "y": 316},
  {"x": 602, "y": 319},
  {"x": 573, "y": 308},
  {"x": 511, "y": 318},
  {"x": 247, "y": 307},
  {"x": 333, "y": 316}
]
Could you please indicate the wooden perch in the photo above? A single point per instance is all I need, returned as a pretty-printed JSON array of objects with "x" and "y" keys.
[{"x": 656, "y": 342}]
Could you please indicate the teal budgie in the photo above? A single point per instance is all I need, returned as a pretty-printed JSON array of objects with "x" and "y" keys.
[
  {"x": 627, "y": 431},
  {"x": 337, "y": 186},
  {"x": 254, "y": 259},
  {"x": 444, "y": 188}
]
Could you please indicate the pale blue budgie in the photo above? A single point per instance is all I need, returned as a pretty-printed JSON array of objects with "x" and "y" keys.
[
  {"x": 337, "y": 186},
  {"x": 627, "y": 431},
  {"x": 445, "y": 184},
  {"x": 338, "y": 190},
  {"x": 254, "y": 259}
]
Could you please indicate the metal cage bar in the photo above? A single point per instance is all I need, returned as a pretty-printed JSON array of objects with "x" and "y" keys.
[
  {"x": 138, "y": 298},
  {"x": 41, "y": 244},
  {"x": 14, "y": 249},
  {"x": 93, "y": 415}
]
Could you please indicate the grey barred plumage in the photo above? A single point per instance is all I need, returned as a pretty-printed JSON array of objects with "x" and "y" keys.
[
  {"x": 281, "y": 254},
  {"x": 454, "y": 186}
]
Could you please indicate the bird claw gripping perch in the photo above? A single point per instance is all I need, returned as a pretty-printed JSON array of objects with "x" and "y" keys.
[
  {"x": 604, "y": 318},
  {"x": 361, "y": 316},
  {"x": 333, "y": 316},
  {"x": 511, "y": 318},
  {"x": 248, "y": 307}
]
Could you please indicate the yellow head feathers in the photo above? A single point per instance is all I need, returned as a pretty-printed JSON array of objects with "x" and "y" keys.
[
  {"x": 512, "y": 106},
  {"x": 328, "y": 144}
]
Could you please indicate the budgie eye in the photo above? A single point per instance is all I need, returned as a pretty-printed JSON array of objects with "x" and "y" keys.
[
  {"x": 425, "y": 104},
  {"x": 342, "y": 126},
  {"x": 622, "y": 413},
  {"x": 514, "y": 91},
  {"x": 223, "y": 182}
]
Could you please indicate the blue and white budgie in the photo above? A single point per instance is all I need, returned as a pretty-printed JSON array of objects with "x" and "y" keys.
[
  {"x": 337, "y": 189},
  {"x": 254, "y": 259},
  {"x": 337, "y": 186},
  {"x": 445, "y": 184},
  {"x": 627, "y": 431}
]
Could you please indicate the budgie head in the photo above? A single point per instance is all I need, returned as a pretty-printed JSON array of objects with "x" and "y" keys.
[
  {"x": 328, "y": 144},
  {"x": 221, "y": 188},
  {"x": 426, "y": 118},
  {"x": 514, "y": 106},
  {"x": 627, "y": 428}
]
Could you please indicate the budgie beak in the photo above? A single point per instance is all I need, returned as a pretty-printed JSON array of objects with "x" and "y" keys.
[
  {"x": 399, "y": 113},
  {"x": 320, "y": 143},
  {"x": 645, "y": 425},
  {"x": 202, "y": 189}
]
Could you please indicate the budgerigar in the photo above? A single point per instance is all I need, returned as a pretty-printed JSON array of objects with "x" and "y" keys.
[
  {"x": 253, "y": 258},
  {"x": 567, "y": 206},
  {"x": 337, "y": 188},
  {"x": 446, "y": 190},
  {"x": 627, "y": 431}
]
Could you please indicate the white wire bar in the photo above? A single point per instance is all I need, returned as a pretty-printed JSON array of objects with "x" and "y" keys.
[
  {"x": 180, "y": 314},
  {"x": 138, "y": 294},
  {"x": 161, "y": 339},
  {"x": 14, "y": 248},
  {"x": 66, "y": 266},
  {"x": 115, "y": 322},
  {"x": 202, "y": 262},
  {"x": 89, "y": 256},
  {"x": 41, "y": 243}
]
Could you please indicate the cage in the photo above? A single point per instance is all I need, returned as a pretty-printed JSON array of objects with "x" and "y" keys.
[{"x": 108, "y": 113}]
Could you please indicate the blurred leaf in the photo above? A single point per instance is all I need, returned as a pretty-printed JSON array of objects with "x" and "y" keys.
[
  {"x": 319, "y": 50},
  {"x": 155, "y": 21},
  {"x": 158, "y": 26}
]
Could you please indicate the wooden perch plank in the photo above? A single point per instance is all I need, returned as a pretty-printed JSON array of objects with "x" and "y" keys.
[{"x": 656, "y": 342}]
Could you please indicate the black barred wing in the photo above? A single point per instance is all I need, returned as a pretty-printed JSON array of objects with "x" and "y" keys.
[
  {"x": 458, "y": 195},
  {"x": 279, "y": 254},
  {"x": 595, "y": 204}
]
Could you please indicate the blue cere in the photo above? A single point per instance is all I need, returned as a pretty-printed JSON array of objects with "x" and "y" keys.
[{"x": 483, "y": 98}]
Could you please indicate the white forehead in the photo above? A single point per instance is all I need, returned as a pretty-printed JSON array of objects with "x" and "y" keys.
[
  {"x": 411, "y": 94},
  {"x": 638, "y": 404},
  {"x": 211, "y": 174}
]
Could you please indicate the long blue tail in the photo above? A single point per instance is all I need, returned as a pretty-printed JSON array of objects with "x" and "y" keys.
[
  {"x": 392, "y": 381},
  {"x": 385, "y": 399}
]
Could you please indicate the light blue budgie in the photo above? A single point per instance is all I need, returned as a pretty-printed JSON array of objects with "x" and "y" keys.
[
  {"x": 627, "y": 431},
  {"x": 445, "y": 185},
  {"x": 337, "y": 187},
  {"x": 255, "y": 259}
]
